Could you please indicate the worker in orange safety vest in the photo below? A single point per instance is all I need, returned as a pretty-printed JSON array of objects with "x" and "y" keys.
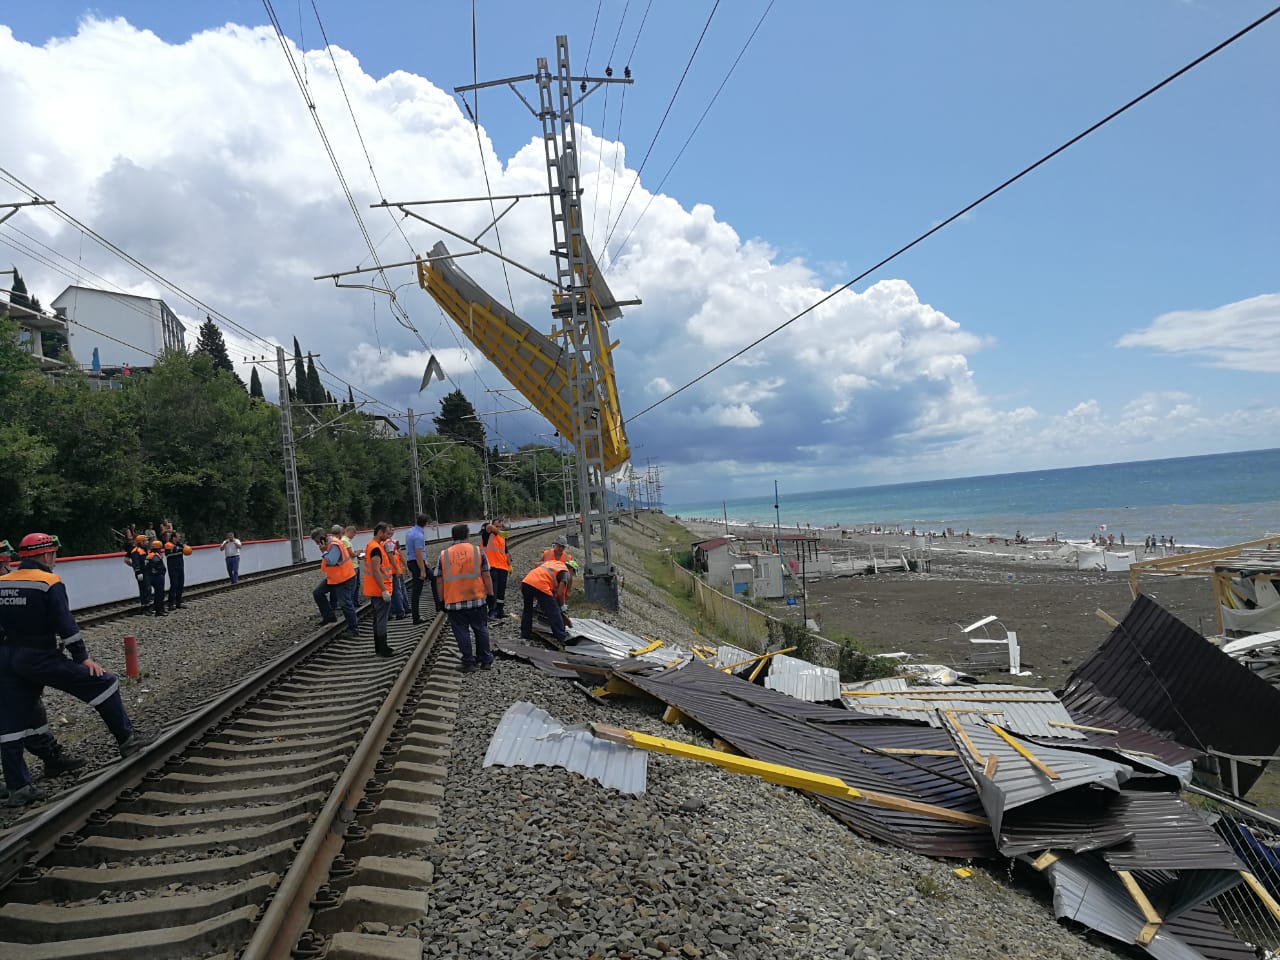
[
  {"x": 547, "y": 585},
  {"x": 378, "y": 585},
  {"x": 495, "y": 550},
  {"x": 462, "y": 575}
]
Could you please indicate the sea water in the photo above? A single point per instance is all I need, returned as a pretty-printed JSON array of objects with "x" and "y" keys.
[{"x": 1214, "y": 500}]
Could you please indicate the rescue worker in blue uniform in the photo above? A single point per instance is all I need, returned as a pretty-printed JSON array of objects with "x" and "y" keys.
[
  {"x": 175, "y": 558},
  {"x": 154, "y": 569},
  {"x": 41, "y": 742},
  {"x": 137, "y": 558},
  {"x": 37, "y": 626}
]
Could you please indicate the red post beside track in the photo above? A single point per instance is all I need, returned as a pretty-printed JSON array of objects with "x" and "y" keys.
[{"x": 131, "y": 657}]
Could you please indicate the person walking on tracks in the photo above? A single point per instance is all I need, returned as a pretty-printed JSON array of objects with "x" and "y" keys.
[
  {"x": 415, "y": 545},
  {"x": 230, "y": 548},
  {"x": 155, "y": 570},
  {"x": 377, "y": 586},
  {"x": 465, "y": 585},
  {"x": 547, "y": 585},
  {"x": 37, "y": 625},
  {"x": 338, "y": 589},
  {"x": 495, "y": 550},
  {"x": 175, "y": 558},
  {"x": 137, "y": 559}
]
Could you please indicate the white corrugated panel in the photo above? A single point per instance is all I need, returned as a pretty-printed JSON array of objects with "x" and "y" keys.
[
  {"x": 802, "y": 679},
  {"x": 530, "y": 737},
  {"x": 603, "y": 640},
  {"x": 1031, "y": 711}
]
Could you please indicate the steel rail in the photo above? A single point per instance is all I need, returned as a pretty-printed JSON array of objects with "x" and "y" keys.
[
  {"x": 37, "y": 838},
  {"x": 289, "y": 914}
]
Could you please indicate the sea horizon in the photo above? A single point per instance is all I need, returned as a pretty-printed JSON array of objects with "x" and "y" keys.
[{"x": 1204, "y": 500}]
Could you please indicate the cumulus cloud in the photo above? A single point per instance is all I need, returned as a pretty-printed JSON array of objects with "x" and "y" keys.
[
  {"x": 1244, "y": 335},
  {"x": 201, "y": 159}
]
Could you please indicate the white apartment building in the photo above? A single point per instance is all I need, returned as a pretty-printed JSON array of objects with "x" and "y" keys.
[{"x": 123, "y": 328}]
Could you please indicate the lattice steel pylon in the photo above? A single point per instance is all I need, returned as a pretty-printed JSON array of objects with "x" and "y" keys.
[{"x": 584, "y": 328}]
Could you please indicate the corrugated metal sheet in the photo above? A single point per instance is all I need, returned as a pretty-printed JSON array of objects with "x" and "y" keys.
[
  {"x": 1026, "y": 710},
  {"x": 1169, "y": 835},
  {"x": 530, "y": 737},
  {"x": 771, "y": 726},
  {"x": 604, "y": 640},
  {"x": 727, "y": 655},
  {"x": 1085, "y": 891},
  {"x": 1157, "y": 675},
  {"x": 1017, "y": 782},
  {"x": 802, "y": 679}
]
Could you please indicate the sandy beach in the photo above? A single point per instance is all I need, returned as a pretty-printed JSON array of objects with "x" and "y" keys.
[{"x": 1048, "y": 603}]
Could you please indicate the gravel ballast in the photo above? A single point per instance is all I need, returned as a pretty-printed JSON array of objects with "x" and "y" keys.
[{"x": 544, "y": 863}]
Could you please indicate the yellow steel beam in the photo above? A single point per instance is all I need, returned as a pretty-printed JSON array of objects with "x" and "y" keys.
[
  {"x": 1262, "y": 893},
  {"x": 651, "y": 646},
  {"x": 761, "y": 656},
  {"x": 782, "y": 775}
]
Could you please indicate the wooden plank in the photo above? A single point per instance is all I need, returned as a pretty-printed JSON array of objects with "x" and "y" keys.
[
  {"x": 1106, "y": 618},
  {"x": 963, "y": 735},
  {"x": 1046, "y": 859},
  {"x": 1148, "y": 911},
  {"x": 1262, "y": 893},
  {"x": 672, "y": 715},
  {"x": 989, "y": 770},
  {"x": 1081, "y": 726},
  {"x": 1030, "y": 757}
]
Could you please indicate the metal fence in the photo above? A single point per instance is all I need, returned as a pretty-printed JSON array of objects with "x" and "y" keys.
[
  {"x": 1252, "y": 914},
  {"x": 748, "y": 627}
]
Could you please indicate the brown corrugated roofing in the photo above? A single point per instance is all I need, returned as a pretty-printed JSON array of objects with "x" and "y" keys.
[
  {"x": 1156, "y": 674},
  {"x": 771, "y": 726}
]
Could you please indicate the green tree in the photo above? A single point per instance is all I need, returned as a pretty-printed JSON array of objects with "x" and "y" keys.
[
  {"x": 315, "y": 389},
  {"x": 300, "y": 393},
  {"x": 210, "y": 343},
  {"x": 18, "y": 295},
  {"x": 255, "y": 385},
  {"x": 458, "y": 421}
]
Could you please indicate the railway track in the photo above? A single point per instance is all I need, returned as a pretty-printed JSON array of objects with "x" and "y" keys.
[
  {"x": 271, "y": 823},
  {"x": 99, "y": 614},
  {"x": 227, "y": 836}
]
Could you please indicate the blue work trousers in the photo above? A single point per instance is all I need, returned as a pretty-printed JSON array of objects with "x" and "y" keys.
[
  {"x": 399, "y": 599},
  {"x": 24, "y": 673},
  {"x": 550, "y": 610},
  {"x": 465, "y": 622},
  {"x": 156, "y": 581}
]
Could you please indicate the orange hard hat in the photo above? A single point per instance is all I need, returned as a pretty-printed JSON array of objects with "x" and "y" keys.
[
  {"x": 186, "y": 550},
  {"x": 139, "y": 539},
  {"x": 156, "y": 544}
]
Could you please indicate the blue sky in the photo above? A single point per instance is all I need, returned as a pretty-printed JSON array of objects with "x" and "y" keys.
[{"x": 1120, "y": 303}]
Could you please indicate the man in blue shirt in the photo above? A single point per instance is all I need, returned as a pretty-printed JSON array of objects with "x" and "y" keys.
[
  {"x": 420, "y": 570},
  {"x": 37, "y": 626}
]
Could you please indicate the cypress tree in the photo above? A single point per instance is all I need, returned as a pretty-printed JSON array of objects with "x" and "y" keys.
[
  {"x": 315, "y": 389},
  {"x": 300, "y": 392},
  {"x": 255, "y": 385},
  {"x": 210, "y": 343}
]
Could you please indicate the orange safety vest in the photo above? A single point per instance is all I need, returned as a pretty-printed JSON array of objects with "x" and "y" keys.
[
  {"x": 496, "y": 552},
  {"x": 397, "y": 561},
  {"x": 550, "y": 554},
  {"x": 375, "y": 583},
  {"x": 344, "y": 570},
  {"x": 460, "y": 575},
  {"x": 543, "y": 578}
]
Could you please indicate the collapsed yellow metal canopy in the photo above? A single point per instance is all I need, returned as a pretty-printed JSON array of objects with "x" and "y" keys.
[{"x": 532, "y": 362}]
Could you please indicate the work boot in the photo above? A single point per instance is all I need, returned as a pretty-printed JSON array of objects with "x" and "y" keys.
[
  {"x": 62, "y": 763},
  {"x": 24, "y": 795},
  {"x": 135, "y": 743}
]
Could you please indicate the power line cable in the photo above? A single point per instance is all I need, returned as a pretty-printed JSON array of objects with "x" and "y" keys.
[
  {"x": 666, "y": 113},
  {"x": 622, "y": 109},
  {"x": 604, "y": 123},
  {"x": 960, "y": 213},
  {"x": 484, "y": 163},
  {"x": 592, "y": 42},
  {"x": 658, "y": 189}
]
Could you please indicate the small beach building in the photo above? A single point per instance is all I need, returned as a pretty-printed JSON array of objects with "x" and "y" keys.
[{"x": 729, "y": 568}]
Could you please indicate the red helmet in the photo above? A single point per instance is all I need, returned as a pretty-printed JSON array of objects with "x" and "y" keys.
[{"x": 36, "y": 544}]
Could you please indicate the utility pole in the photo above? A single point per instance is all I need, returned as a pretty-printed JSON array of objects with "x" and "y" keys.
[
  {"x": 581, "y": 322},
  {"x": 415, "y": 470},
  {"x": 291, "y": 493}
]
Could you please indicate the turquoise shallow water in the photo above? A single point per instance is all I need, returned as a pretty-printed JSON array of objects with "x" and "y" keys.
[{"x": 1212, "y": 500}]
